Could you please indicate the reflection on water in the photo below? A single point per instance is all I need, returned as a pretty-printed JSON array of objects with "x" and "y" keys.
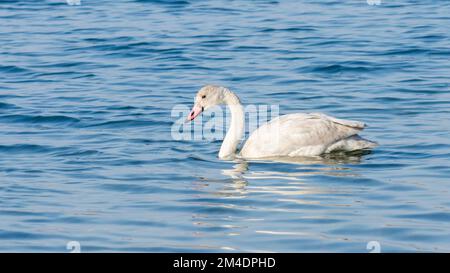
[
  {"x": 286, "y": 187},
  {"x": 239, "y": 175},
  {"x": 335, "y": 164}
]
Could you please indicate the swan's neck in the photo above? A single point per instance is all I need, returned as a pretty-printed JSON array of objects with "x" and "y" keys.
[{"x": 236, "y": 130}]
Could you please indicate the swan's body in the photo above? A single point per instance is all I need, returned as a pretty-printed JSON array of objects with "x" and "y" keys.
[
  {"x": 304, "y": 135},
  {"x": 288, "y": 135}
]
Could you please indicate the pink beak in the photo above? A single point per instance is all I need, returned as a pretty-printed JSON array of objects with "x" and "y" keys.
[{"x": 196, "y": 110}]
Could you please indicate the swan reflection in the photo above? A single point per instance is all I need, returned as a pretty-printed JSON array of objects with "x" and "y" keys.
[
  {"x": 280, "y": 175},
  {"x": 336, "y": 164},
  {"x": 240, "y": 201}
]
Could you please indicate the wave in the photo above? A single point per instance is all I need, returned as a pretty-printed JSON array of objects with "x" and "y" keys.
[
  {"x": 4, "y": 105},
  {"x": 12, "y": 69},
  {"x": 338, "y": 68},
  {"x": 60, "y": 119},
  {"x": 166, "y": 2},
  {"x": 115, "y": 124},
  {"x": 26, "y": 148}
]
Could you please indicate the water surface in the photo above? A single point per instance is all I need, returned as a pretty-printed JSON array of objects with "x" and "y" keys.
[{"x": 86, "y": 152}]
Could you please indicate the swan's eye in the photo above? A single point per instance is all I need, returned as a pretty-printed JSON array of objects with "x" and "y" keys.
[{"x": 204, "y": 96}]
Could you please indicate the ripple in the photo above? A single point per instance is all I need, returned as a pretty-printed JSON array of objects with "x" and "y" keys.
[
  {"x": 432, "y": 216},
  {"x": 407, "y": 51},
  {"x": 289, "y": 29},
  {"x": 12, "y": 69},
  {"x": 39, "y": 119},
  {"x": 340, "y": 68},
  {"x": 29, "y": 148},
  {"x": 8, "y": 234},
  {"x": 166, "y": 2},
  {"x": 7, "y": 105},
  {"x": 116, "y": 124}
]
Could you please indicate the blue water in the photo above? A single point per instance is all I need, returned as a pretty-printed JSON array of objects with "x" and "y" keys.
[{"x": 86, "y": 152}]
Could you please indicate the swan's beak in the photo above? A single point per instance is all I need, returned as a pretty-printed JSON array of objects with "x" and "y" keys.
[{"x": 196, "y": 110}]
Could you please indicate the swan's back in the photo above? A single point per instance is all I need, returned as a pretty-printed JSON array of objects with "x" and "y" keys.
[{"x": 299, "y": 134}]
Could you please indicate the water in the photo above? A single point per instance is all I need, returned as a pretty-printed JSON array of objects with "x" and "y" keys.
[{"x": 86, "y": 152}]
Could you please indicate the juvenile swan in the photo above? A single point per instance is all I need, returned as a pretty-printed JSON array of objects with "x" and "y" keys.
[{"x": 288, "y": 135}]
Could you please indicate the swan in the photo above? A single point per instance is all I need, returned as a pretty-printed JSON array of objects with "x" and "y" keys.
[{"x": 291, "y": 135}]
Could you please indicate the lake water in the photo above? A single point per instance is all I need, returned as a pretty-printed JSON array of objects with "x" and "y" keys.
[{"x": 87, "y": 154}]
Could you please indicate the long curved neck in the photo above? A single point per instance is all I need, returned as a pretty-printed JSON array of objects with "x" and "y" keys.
[{"x": 236, "y": 130}]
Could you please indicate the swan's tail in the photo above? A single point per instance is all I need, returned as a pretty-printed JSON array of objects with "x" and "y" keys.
[{"x": 352, "y": 143}]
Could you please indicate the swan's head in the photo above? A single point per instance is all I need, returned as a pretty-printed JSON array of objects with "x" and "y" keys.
[{"x": 207, "y": 97}]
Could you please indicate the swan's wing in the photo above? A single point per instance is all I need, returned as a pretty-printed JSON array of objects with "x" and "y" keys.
[
  {"x": 349, "y": 123},
  {"x": 298, "y": 134},
  {"x": 314, "y": 129}
]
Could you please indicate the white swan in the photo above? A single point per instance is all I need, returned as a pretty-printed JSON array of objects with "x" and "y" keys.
[{"x": 290, "y": 135}]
